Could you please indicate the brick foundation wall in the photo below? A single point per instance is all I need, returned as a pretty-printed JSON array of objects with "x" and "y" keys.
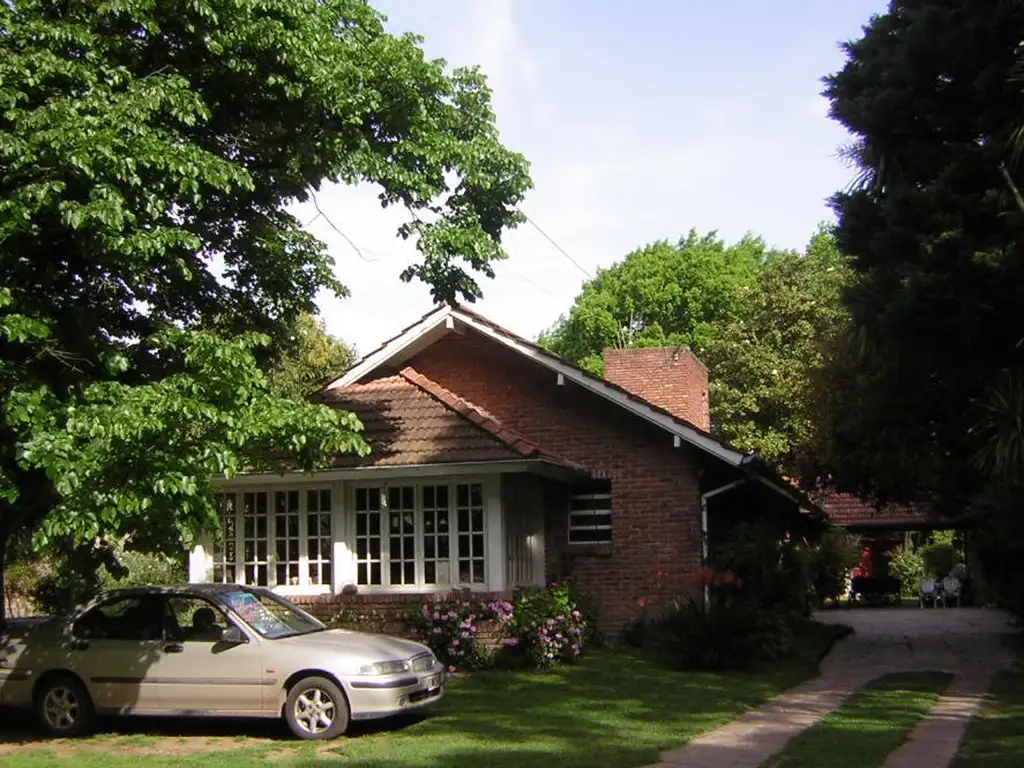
[{"x": 655, "y": 492}]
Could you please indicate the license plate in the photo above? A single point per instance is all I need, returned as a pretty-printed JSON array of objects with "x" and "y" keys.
[{"x": 434, "y": 681}]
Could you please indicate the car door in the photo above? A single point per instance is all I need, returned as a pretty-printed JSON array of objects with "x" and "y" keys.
[
  {"x": 113, "y": 647},
  {"x": 197, "y": 672}
]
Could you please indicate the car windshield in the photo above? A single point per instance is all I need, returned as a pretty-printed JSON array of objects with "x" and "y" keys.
[{"x": 269, "y": 615}]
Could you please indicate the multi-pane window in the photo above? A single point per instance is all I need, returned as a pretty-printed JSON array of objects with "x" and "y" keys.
[
  {"x": 590, "y": 513},
  {"x": 225, "y": 545},
  {"x": 423, "y": 525},
  {"x": 274, "y": 538},
  {"x": 368, "y": 550},
  {"x": 254, "y": 539},
  {"x": 402, "y": 534},
  {"x": 320, "y": 544},
  {"x": 286, "y": 537},
  {"x": 436, "y": 535},
  {"x": 470, "y": 515}
]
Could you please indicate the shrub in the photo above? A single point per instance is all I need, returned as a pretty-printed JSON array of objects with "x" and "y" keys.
[
  {"x": 728, "y": 636},
  {"x": 832, "y": 557},
  {"x": 547, "y": 627},
  {"x": 907, "y": 566},
  {"x": 451, "y": 628},
  {"x": 939, "y": 559}
]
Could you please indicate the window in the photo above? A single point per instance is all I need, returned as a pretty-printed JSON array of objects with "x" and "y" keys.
[
  {"x": 280, "y": 538},
  {"x": 405, "y": 535},
  {"x": 590, "y": 513},
  {"x": 225, "y": 550},
  {"x": 192, "y": 619},
  {"x": 126, "y": 618},
  {"x": 368, "y": 554},
  {"x": 320, "y": 543}
]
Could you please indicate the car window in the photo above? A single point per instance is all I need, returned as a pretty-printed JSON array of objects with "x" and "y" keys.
[
  {"x": 269, "y": 615},
  {"x": 192, "y": 619},
  {"x": 126, "y": 618}
]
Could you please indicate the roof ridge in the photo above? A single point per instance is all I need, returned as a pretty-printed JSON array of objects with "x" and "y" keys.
[{"x": 480, "y": 417}]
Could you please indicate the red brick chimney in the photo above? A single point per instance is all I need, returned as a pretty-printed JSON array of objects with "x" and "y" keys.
[{"x": 673, "y": 379}]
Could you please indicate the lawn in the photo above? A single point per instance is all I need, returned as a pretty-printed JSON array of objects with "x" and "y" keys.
[
  {"x": 866, "y": 728},
  {"x": 996, "y": 737},
  {"x": 612, "y": 709}
]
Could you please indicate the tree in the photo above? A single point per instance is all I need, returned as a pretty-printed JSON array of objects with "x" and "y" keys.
[
  {"x": 309, "y": 358},
  {"x": 148, "y": 152},
  {"x": 659, "y": 295},
  {"x": 763, "y": 362},
  {"x": 935, "y": 234}
]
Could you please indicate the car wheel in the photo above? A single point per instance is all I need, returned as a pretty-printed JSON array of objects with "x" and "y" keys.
[
  {"x": 63, "y": 707},
  {"x": 316, "y": 709}
]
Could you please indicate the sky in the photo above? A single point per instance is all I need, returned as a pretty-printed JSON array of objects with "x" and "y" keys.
[{"x": 641, "y": 120}]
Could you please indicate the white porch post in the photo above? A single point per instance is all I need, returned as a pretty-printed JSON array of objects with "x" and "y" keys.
[
  {"x": 200, "y": 561},
  {"x": 495, "y": 534}
]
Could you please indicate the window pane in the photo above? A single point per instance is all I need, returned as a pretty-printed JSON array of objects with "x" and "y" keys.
[{"x": 429, "y": 572}]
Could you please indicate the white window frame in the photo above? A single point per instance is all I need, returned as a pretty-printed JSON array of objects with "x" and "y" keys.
[
  {"x": 592, "y": 504},
  {"x": 490, "y": 513},
  {"x": 304, "y": 585}
]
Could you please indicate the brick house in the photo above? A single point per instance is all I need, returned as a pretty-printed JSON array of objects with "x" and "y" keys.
[{"x": 498, "y": 465}]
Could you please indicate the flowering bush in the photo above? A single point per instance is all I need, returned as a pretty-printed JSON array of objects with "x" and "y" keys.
[
  {"x": 547, "y": 627},
  {"x": 451, "y": 628}
]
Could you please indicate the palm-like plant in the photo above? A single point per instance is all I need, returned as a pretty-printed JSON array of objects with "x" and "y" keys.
[{"x": 999, "y": 429}]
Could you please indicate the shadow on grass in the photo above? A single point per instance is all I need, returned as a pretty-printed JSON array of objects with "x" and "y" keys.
[
  {"x": 996, "y": 736},
  {"x": 612, "y": 709}
]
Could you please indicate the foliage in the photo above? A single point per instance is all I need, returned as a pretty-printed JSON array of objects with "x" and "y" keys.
[
  {"x": 364, "y": 620},
  {"x": 547, "y": 626},
  {"x": 907, "y": 566},
  {"x": 832, "y": 557},
  {"x": 663, "y": 294},
  {"x": 773, "y": 568},
  {"x": 307, "y": 359},
  {"x": 921, "y": 403},
  {"x": 764, "y": 360},
  {"x": 725, "y": 634},
  {"x": 148, "y": 153},
  {"x": 451, "y": 627},
  {"x": 939, "y": 559},
  {"x": 759, "y": 318}
]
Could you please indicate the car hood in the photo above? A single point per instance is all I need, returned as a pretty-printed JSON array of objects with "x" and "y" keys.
[{"x": 364, "y": 645}]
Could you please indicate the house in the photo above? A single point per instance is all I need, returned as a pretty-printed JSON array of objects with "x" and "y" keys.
[{"x": 498, "y": 465}]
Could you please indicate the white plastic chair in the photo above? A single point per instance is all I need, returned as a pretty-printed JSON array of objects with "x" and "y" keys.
[
  {"x": 951, "y": 590},
  {"x": 927, "y": 589}
]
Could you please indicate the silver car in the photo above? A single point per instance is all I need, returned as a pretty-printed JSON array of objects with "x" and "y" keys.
[{"x": 210, "y": 649}]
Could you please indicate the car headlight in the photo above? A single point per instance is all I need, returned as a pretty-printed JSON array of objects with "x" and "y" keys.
[{"x": 384, "y": 668}]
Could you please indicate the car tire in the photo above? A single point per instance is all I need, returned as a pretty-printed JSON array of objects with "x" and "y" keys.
[
  {"x": 316, "y": 709},
  {"x": 64, "y": 708}
]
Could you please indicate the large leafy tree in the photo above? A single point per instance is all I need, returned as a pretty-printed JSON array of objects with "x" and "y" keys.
[
  {"x": 921, "y": 383},
  {"x": 307, "y": 359},
  {"x": 664, "y": 294},
  {"x": 764, "y": 362},
  {"x": 149, "y": 266}
]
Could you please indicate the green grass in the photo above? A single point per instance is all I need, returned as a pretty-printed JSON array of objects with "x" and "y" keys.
[
  {"x": 996, "y": 737},
  {"x": 612, "y": 709},
  {"x": 868, "y": 726}
]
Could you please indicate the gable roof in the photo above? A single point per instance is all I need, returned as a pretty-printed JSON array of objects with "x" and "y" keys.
[
  {"x": 448, "y": 318},
  {"x": 410, "y": 419}
]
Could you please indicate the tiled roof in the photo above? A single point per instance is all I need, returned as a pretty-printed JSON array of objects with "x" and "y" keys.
[
  {"x": 848, "y": 510},
  {"x": 411, "y": 420}
]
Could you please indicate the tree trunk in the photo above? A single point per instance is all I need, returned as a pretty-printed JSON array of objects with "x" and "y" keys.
[{"x": 3, "y": 587}]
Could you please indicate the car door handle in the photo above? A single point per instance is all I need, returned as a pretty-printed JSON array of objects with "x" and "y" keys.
[{"x": 174, "y": 648}]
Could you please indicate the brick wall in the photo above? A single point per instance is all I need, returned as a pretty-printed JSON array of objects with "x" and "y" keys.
[
  {"x": 673, "y": 379},
  {"x": 655, "y": 496}
]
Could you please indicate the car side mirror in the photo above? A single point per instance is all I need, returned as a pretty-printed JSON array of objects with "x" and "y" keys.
[{"x": 233, "y": 635}]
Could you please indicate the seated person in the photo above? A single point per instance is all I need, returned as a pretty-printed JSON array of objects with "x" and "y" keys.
[{"x": 205, "y": 626}]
